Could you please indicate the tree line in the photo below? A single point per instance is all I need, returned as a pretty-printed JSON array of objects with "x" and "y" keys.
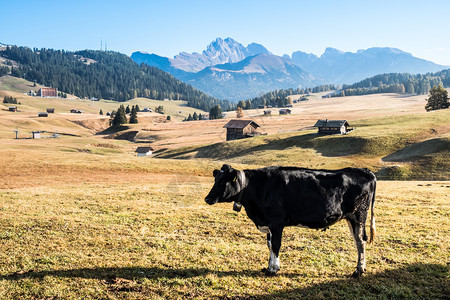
[
  {"x": 279, "y": 97},
  {"x": 106, "y": 75},
  {"x": 396, "y": 83}
]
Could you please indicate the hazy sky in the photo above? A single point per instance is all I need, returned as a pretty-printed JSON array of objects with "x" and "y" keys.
[{"x": 168, "y": 27}]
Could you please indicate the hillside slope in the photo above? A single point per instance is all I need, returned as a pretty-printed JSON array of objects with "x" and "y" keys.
[
  {"x": 251, "y": 76},
  {"x": 398, "y": 147},
  {"x": 103, "y": 75}
]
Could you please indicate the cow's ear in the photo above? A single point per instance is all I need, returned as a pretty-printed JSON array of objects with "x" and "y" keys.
[{"x": 215, "y": 172}]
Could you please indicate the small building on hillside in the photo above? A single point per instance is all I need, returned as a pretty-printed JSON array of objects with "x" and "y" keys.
[
  {"x": 267, "y": 112},
  {"x": 76, "y": 111},
  {"x": 332, "y": 126},
  {"x": 240, "y": 129},
  {"x": 285, "y": 111},
  {"x": 42, "y": 114},
  {"x": 47, "y": 92},
  {"x": 36, "y": 134},
  {"x": 50, "y": 110},
  {"x": 12, "y": 108},
  {"x": 144, "y": 151}
]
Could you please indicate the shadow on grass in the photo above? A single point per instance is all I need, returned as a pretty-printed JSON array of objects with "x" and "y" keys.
[
  {"x": 415, "y": 281},
  {"x": 331, "y": 146}
]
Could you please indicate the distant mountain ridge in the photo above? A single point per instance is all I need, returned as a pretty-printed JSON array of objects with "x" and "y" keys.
[
  {"x": 220, "y": 51},
  {"x": 229, "y": 70},
  {"x": 341, "y": 67},
  {"x": 252, "y": 76}
]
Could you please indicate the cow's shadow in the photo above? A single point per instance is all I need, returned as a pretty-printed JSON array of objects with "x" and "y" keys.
[{"x": 417, "y": 280}]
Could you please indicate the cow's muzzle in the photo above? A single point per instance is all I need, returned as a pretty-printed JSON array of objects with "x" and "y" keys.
[{"x": 211, "y": 200}]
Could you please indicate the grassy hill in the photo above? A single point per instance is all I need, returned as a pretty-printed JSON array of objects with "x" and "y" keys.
[
  {"x": 30, "y": 106},
  {"x": 404, "y": 140}
]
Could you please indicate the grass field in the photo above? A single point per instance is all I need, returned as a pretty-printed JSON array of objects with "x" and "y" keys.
[
  {"x": 157, "y": 238},
  {"x": 81, "y": 217}
]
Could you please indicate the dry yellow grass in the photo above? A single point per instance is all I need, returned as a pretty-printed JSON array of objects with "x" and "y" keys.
[{"x": 82, "y": 217}]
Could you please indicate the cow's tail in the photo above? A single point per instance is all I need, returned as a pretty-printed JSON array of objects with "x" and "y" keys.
[{"x": 372, "y": 217}]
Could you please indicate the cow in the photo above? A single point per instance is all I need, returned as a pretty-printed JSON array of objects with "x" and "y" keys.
[{"x": 276, "y": 197}]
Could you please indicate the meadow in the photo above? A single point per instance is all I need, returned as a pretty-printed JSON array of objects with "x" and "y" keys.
[{"x": 82, "y": 217}]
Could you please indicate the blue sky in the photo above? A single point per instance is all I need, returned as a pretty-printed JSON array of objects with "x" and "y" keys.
[{"x": 284, "y": 26}]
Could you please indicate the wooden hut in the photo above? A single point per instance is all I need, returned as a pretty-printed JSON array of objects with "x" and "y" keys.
[
  {"x": 332, "y": 126},
  {"x": 50, "y": 110},
  {"x": 239, "y": 129},
  {"x": 12, "y": 108},
  {"x": 42, "y": 114},
  {"x": 285, "y": 111}
]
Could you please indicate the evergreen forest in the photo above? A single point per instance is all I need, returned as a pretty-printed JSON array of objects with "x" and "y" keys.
[{"x": 103, "y": 75}]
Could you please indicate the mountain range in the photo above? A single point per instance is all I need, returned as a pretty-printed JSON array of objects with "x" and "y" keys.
[
  {"x": 229, "y": 70},
  {"x": 340, "y": 67}
]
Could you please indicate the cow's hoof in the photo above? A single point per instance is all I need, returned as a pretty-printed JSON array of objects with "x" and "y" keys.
[
  {"x": 269, "y": 272},
  {"x": 357, "y": 273}
]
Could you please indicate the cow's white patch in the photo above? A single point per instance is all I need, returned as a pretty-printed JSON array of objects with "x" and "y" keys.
[
  {"x": 274, "y": 261},
  {"x": 263, "y": 229}
]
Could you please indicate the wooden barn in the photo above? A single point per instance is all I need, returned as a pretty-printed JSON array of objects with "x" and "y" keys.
[
  {"x": 240, "y": 129},
  {"x": 285, "y": 111},
  {"x": 332, "y": 126},
  {"x": 12, "y": 108},
  {"x": 144, "y": 151},
  {"x": 50, "y": 110},
  {"x": 42, "y": 114}
]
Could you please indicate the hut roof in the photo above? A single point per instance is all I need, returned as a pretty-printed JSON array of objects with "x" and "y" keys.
[
  {"x": 143, "y": 149},
  {"x": 241, "y": 124},
  {"x": 331, "y": 123}
]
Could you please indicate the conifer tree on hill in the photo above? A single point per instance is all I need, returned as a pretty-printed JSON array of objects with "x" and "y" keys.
[{"x": 438, "y": 99}]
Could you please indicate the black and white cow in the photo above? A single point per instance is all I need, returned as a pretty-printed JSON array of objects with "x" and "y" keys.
[{"x": 276, "y": 197}]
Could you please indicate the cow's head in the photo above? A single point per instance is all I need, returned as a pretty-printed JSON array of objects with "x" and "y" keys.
[{"x": 226, "y": 186}]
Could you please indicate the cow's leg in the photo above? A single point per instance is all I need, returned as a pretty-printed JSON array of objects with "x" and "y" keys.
[
  {"x": 274, "y": 244},
  {"x": 357, "y": 231}
]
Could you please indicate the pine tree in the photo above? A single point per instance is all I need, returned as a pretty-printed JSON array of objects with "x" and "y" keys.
[
  {"x": 248, "y": 104},
  {"x": 101, "y": 112},
  {"x": 189, "y": 118},
  {"x": 215, "y": 113},
  {"x": 200, "y": 117},
  {"x": 438, "y": 99},
  {"x": 120, "y": 117},
  {"x": 195, "y": 116},
  {"x": 137, "y": 108},
  {"x": 127, "y": 110},
  {"x": 133, "y": 115}
]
